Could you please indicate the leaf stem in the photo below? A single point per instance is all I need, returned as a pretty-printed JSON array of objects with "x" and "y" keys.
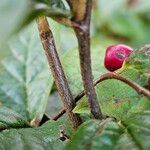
[
  {"x": 107, "y": 76},
  {"x": 57, "y": 70}
]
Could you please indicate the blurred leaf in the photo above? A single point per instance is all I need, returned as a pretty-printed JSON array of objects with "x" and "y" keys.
[
  {"x": 68, "y": 35},
  {"x": 17, "y": 10},
  {"x": 108, "y": 8},
  {"x": 55, "y": 28},
  {"x": 25, "y": 80},
  {"x": 43, "y": 138},
  {"x": 10, "y": 119},
  {"x": 129, "y": 25},
  {"x": 141, "y": 7},
  {"x": 70, "y": 61},
  {"x": 125, "y": 21},
  {"x": 54, "y": 104},
  {"x": 23, "y": 12},
  {"x": 110, "y": 135}
]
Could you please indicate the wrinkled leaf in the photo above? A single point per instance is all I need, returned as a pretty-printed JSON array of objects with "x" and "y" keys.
[
  {"x": 140, "y": 59},
  {"x": 10, "y": 119},
  {"x": 107, "y": 136},
  {"x": 137, "y": 68},
  {"x": 95, "y": 135},
  {"x": 25, "y": 80},
  {"x": 134, "y": 133},
  {"x": 43, "y": 138},
  {"x": 116, "y": 99},
  {"x": 138, "y": 127},
  {"x": 83, "y": 135}
]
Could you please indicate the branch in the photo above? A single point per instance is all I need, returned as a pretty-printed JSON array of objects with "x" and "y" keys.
[
  {"x": 66, "y": 22},
  {"x": 149, "y": 84},
  {"x": 107, "y": 76},
  {"x": 57, "y": 70},
  {"x": 81, "y": 10}
]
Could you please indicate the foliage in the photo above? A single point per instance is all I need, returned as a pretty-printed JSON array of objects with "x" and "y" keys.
[
  {"x": 109, "y": 134},
  {"x": 24, "y": 76},
  {"x": 27, "y": 89}
]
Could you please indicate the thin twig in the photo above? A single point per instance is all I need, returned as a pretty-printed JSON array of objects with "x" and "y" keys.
[
  {"x": 107, "y": 76},
  {"x": 148, "y": 84},
  {"x": 82, "y": 15},
  {"x": 57, "y": 70},
  {"x": 67, "y": 22}
]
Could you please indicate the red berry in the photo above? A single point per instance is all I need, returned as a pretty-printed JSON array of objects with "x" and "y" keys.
[{"x": 115, "y": 56}]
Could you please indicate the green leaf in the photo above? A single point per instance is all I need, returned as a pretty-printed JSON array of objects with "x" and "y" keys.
[
  {"x": 43, "y": 138},
  {"x": 108, "y": 136},
  {"x": 23, "y": 12},
  {"x": 142, "y": 7},
  {"x": 54, "y": 104},
  {"x": 138, "y": 126},
  {"x": 124, "y": 20},
  {"x": 52, "y": 8},
  {"x": 137, "y": 68},
  {"x": 134, "y": 133},
  {"x": 96, "y": 135},
  {"x": 25, "y": 80},
  {"x": 140, "y": 59},
  {"x": 83, "y": 135},
  {"x": 127, "y": 24},
  {"x": 118, "y": 99},
  {"x": 10, "y": 119},
  {"x": 17, "y": 10},
  {"x": 71, "y": 65}
]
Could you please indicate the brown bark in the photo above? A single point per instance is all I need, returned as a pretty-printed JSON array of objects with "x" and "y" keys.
[
  {"x": 82, "y": 16},
  {"x": 57, "y": 70}
]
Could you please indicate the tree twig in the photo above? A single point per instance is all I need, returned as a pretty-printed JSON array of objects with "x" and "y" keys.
[
  {"x": 135, "y": 86},
  {"x": 81, "y": 10},
  {"x": 57, "y": 70},
  {"x": 148, "y": 84}
]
